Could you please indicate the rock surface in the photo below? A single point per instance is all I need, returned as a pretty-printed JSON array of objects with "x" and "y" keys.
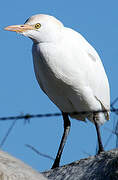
[
  {"x": 13, "y": 169},
  {"x": 100, "y": 167}
]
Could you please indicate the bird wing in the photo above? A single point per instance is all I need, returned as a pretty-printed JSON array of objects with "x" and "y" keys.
[
  {"x": 71, "y": 69},
  {"x": 95, "y": 75}
]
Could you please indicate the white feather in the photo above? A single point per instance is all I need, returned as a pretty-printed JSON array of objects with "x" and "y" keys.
[{"x": 69, "y": 70}]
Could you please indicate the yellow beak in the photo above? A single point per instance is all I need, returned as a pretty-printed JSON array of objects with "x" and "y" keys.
[{"x": 19, "y": 28}]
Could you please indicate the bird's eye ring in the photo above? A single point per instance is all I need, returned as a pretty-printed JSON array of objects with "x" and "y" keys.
[{"x": 37, "y": 26}]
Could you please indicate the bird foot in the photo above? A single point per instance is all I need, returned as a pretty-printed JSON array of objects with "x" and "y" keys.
[{"x": 100, "y": 151}]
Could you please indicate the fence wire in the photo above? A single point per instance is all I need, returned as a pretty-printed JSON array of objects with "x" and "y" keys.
[
  {"x": 30, "y": 116},
  {"x": 27, "y": 118}
]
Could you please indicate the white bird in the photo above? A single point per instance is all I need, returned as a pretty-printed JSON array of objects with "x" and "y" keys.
[{"x": 69, "y": 71}]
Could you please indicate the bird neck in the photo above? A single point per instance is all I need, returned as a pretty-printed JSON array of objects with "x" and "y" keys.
[{"x": 50, "y": 36}]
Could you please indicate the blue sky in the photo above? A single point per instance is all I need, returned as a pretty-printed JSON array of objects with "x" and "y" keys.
[{"x": 97, "y": 21}]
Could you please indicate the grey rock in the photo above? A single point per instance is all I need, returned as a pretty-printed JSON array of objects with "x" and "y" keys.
[
  {"x": 13, "y": 169},
  {"x": 99, "y": 167}
]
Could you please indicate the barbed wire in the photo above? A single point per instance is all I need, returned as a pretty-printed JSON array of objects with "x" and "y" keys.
[
  {"x": 30, "y": 116},
  {"x": 27, "y": 118}
]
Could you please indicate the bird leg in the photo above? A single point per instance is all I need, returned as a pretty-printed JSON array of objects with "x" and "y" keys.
[
  {"x": 67, "y": 125},
  {"x": 100, "y": 146}
]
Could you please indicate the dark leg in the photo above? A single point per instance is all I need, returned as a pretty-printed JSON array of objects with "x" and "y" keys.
[
  {"x": 63, "y": 140},
  {"x": 100, "y": 146}
]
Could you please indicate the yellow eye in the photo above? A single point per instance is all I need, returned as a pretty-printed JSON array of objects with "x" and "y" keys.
[{"x": 37, "y": 26}]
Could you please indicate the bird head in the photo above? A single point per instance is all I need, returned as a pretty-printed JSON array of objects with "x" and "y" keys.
[{"x": 39, "y": 28}]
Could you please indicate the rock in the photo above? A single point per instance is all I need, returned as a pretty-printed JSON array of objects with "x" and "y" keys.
[
  {"x": 99, "y": 167},
  {"x": 13, "y": 169}
]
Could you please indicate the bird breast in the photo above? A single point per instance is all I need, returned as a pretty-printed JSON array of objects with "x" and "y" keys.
[{"x": 69, "y": 77}]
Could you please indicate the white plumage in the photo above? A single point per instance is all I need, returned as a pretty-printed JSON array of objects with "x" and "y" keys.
[{"x": 67, "y": 67}]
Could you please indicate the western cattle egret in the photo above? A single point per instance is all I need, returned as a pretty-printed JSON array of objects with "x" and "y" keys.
[{"x": 69, "y": 71}]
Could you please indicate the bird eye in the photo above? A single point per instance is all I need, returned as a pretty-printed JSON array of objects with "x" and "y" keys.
[{"x": 37, "y": 26}]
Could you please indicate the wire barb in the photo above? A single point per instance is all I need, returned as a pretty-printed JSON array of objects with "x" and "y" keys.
[{"x": 30, "y": 116}]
